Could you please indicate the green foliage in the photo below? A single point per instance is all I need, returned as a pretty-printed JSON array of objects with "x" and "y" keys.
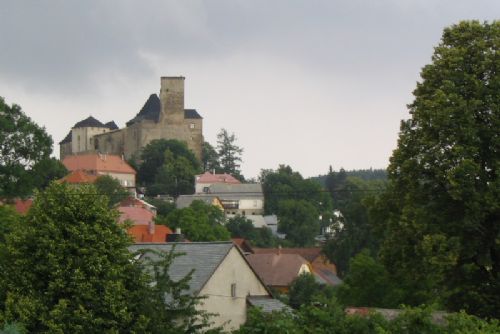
[
  {"x": 22, "y": 145},
  {"x": 9, "y": 219},
  {"x": 168, "y": 167},
  {"x": 163, "y": 208},
  {"x": 111, "y": 188},
  {"x": 352, "y": 198},
  {"x": 439, "y": 218},
  {"x": 67, "y": 268},
  {"x": 12, "y": 329},
  {"x": 326, "y": 316},
  {"x": 242, "y": 227},
  {"x": 198, "y": 222},
  {"x": 284, "y": 184},
  {"x": 210, "y": 158},
  {"x": 367, "y": 284},
  {"x": 299, "y": 220},
  {"x": 46, "y": 171},
  {"x": 229, "y": 154},
  {"x": 306, "y": 290}
]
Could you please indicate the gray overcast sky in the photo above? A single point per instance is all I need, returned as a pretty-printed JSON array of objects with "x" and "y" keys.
[{"x": 304, "y": 83}]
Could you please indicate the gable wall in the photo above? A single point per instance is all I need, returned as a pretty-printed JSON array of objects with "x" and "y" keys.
[{"x": 234, "y": 269}]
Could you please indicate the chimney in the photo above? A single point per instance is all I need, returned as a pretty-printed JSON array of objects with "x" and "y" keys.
[{"x": 176, "y": 236}]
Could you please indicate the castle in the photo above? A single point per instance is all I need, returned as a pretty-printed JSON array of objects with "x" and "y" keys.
[{"x": 161, "y": 117}]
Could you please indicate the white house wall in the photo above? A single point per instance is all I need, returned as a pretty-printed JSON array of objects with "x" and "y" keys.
[{"x": 232, "y": 310}]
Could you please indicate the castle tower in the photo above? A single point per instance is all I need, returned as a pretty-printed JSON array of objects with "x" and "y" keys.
[{"x": 172, "y": 100}]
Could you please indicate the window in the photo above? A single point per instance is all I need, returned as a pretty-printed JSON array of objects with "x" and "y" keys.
[
  {"x": 191, "y": 126},
  {"x": 233, "y": 290}
]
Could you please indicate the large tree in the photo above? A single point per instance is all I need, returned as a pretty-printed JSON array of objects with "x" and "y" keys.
[
  {"x": 168, "y": 167},
  {"x": 22, "y": 145},
  {"x": 66, "y": 268},
  {"x": 441, "y": 213}
]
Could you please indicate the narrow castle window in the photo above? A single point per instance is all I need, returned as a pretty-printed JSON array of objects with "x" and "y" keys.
[{"x": 191, "y": 126}]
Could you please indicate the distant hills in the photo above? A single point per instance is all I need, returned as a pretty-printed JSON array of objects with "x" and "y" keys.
[{"x": 365, "y": 174}]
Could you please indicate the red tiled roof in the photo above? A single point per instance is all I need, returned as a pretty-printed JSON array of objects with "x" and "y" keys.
[
  {"x": 141, "y": 233},
  {"x": 138, "y": 215},
  {"x": 22, "y": 205},
  {"x": 79, "y": 176},
  {"x": 208, "y": 177},
  {"x": 277, "y": 269},
  {"x": 310, "y": 254},
  {"x": 97, "y": 162}
]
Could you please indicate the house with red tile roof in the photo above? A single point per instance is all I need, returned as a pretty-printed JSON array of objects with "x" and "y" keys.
[
  {"x": 324, "y": 271},
  {"x": 149, "y": 233},
  {"x": 205, "y": 180},
  {"x": 137, "y": 215},
  {"x": 78, "y": 177},
  {"x": 278, "y": 270},
  {"x": 22, "y": 206},
  {"x": 102, "y": 164}
]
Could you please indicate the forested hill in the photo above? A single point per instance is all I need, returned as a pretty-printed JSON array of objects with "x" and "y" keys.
[{"x": 365, "y": 174}]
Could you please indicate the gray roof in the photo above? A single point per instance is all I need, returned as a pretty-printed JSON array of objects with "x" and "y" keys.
[
  {"x": 191, "y": 114},
  {"x": 66, "y": 139},
  {"x": 150, "y": 111},
  {"x": 89, "y": 122},
  {"x": 184, "y": 201},
  {"x": 111, "y": 125},
  {"x": 237, "y": 191},
  {"x": 267, "y": 304},
  {"x": 203, "y": 257}
]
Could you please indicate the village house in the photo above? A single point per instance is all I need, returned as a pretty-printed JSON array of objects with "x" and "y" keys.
[
  {"x": 205, "y": 180},
  {"x": 184, "y": 201},
  {"x": 240, "y": 199},
  {"x": 222, "y": 275},
  {"x": 95, "y": 164},
  {"x": 278, "y": 270},
  {"x": 324, "y": 271}
]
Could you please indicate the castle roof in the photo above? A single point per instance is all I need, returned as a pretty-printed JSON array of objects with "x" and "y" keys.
[
  {"x": 66, "y": 139},
  {"x": 111, "y": 125},
  {"x": 89, "y": 122},
  {"x": 151, "y": 110},
  {"x": 191, "y": 114}
]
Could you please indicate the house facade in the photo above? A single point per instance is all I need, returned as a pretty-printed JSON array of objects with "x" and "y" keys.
[
  {"x": 240, "y": 199},
  {"x": 221, "y": 274},
  {"x": 95, "y": 164}
]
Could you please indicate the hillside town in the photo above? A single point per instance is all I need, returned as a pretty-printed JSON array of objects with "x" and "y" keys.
[{"x": 149, "y": 228}]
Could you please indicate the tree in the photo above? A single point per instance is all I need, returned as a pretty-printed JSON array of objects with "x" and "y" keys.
[
  {"x": 299, "y": 220},
  {"x": 229, "y": 153},
  {"x": 440, "y": 216},
  {"x": 168, "y": 167},
  {"x": 306, "y": 290},
  {"x": 242, "y": 227},
  {"x": 9, "y": 218},
  {"x": 198, "y": 222},
  {"x": 22, "y": 144},
  {"x": 111, "y": 188},
  {"x": 67, "y": 268},
  {"x": 46, "y": 171},
  {"x": 210, "y": 158},
  {"x": 367, "y": 284},
  {"x": 352, "y": 200}
]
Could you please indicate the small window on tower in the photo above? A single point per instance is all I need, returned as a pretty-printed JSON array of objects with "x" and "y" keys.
[
  {"x": 233, "y": 290},
  {"x": 191, "y": 126}
]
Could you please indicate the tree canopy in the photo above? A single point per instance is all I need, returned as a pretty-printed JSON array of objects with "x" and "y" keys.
[
  {"x": 440, "y": 216},
  {"x": 111, "y": 187},
  {"x": 23, "y": 144},
  {"x": 168, "y": 167}
]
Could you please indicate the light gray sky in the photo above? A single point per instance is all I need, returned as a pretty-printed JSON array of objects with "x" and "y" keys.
[{"x": 305, "y": 83}]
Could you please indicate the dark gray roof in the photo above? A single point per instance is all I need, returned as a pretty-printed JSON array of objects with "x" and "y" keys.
[
  {"x": 66, "y": 139},
  {"x": 267, "y": 304},
  {"x": 237, "y": 191},
  {"x": 203, "y": 257},
  {"x": 183, "y": 201},
  {"x": 89, "y": 122},
  {"x": 111, "y": 125},
  {"x": 150, "y": 111},
  {"x": 191, "y": 114}
]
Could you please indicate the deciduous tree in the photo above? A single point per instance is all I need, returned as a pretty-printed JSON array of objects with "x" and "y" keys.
[{"x": 440, "y": 217}]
